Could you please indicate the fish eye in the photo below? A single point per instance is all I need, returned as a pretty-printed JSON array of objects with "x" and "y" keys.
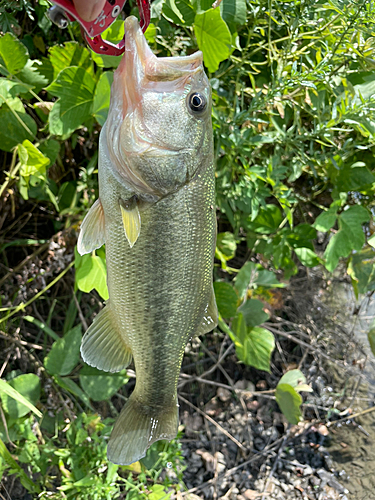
[{"x": 197, "y": 102}]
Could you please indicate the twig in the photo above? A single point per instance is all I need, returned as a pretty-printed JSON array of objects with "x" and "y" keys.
[
  {"x": 304, "y": 344},
  {"x": 23, "y": 306},
  {"x": 275, "y": 464},
  {"x": 267, "y": 449},
  {"x": 349, "y": 417},
  {"x": 81, "y": 316},
  {"x": 4, "y": 336},
  {"x": 221, "y": 429}
]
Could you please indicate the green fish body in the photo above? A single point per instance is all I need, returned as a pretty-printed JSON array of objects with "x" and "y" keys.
[{"x": 156, "y": 215}]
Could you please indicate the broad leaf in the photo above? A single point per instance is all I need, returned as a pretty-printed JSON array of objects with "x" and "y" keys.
[
  {"x": 102, "y": 97},
  {"x": 180, "y": 12},
  {"x": 9, "y": 89},
  {"x": 75, "y": 87},
  {"x": 91, "y": 272},
  {"x": 252, "y": 275},
  {"x": 307, "y": 257},
  {"x": 99, "y": 385},
  {"x": 64, "y": 354},
  {"x": 213, "y": 38},
  {"x": 296, "y": 379},
  {"x": 289, "y": 401},
  {"x": 233, "y": 11},
  {"x": 13, "y": 55},
  {"x": 254, "y": 346},
  {"x": 361, "y": 269},
  {"x": 16, "y": 124},
  {"x": 226, "y": 299},
  {"x": 326, "y": 220},
  {"x": 252, "y": 311},
  {"x": 226, "y": 244},
  {"x": 267, "y": 221},
  {"x": 33, "y": 161},
  {"x": 70, "y": 54},
  {"x": 245, "y": 278},
  {"x": 349, "y": 237},
  {"x": 28, "y": 385}
]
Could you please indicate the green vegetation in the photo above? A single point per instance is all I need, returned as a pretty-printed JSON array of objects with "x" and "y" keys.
[{"x": 294, "y": 126}]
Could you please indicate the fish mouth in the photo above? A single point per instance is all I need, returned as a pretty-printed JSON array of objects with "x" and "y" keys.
[{"x": 153, "y": 68}]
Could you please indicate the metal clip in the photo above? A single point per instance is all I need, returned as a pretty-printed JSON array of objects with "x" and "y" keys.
[{"x": 65, "y": 11}]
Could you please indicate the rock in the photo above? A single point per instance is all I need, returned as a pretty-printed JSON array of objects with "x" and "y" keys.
[
  {"x": 224, "y": 394},
  {"x": 251, "y": 494},
  {"x": 220, "y": 462},
  {"x": 244, "y": 385},
  {"x": 208, "y": 460}
]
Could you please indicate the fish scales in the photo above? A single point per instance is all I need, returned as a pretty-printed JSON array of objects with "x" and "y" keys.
[{"x": 156, "y": 216}]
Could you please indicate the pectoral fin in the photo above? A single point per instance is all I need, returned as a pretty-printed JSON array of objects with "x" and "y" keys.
[
  {"x": 92, "y": 233},
  {"x": 131, "y": 219},
  {"x": 102, "y": 345},
  {"x": 210, "y": 318}
]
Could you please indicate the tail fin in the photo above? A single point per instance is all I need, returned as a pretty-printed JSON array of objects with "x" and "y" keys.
[{"x": 135, "y": 431}]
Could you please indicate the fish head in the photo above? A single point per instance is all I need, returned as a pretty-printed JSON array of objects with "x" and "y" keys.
[{"x": 159, "y": 131}]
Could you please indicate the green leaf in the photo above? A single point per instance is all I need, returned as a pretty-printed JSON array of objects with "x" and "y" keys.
[
  {"x": 226, "y": 244},
  {"x": 24, "y": 478},
  {"x": 296, "y": 379},
  {"x": 180, "y": 12},
  {"x": 233, "y": 11},
  {"x": 91, "y": 272},
  {"x": 307, "y": 257},
  {"x": 371, "y": 339},
  {"x": 267, "y": 221},
  {"x": 252, "y": 275},
  {"x": 6, "y": 388},
  {"x": 99, "y": 385},
  {"x": 13, "y": 55},
  {"x": 252, "y": 311},
  {"x": 226, "y": 299},
  {"x": 245, "y": 277},
  {"x": 16, "y": 124},
  {"x": 27, "y": 385},
  {"x": 254, "y": 346},
  {"x": 213, "y": 38},
  {"x": 353, "y": 177},
  {"x": 113, "y": 34},
  {"x": 64, "y": 354},
  {"x": 70, "y": 386},
  {"x": 33, "y": 161},
  {"x": 70, "y": 54},
  {"x": 326, "y": 220},
  {"x": 361, "y": 269},
  {"x": 9, "y": 89},
  {"x": 349, "y": 237},
  {"x": 32, "y": 75},
  {"x": 102, "y": 97},
  {"x": 75, "y": 87},
  {"x": 289, "y": 401}
]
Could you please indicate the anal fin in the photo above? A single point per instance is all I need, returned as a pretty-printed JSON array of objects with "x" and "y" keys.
[
  {"x": 102, "y": 345},
  {"x": 92, "y": 233},
  {"x": 210, "y": 318},
  {"x": 131, "y": 219}
]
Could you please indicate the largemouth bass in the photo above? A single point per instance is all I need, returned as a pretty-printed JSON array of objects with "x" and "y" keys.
[{"x": 156, "y": 216}]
